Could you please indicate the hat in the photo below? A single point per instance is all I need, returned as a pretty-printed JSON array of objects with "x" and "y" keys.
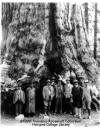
[
  {"x": 19, "y": 81},
  {"x": 34, "y": 82},
  {"x": 75, "y": 81},
  {"x": 48, "y": 80},
  {"x": 53, "y": 78},
  {"x": 64, "y": 81},
  {"x": 60, "y": 78},
  {"x": 86, "y": 81},
  {"x": 23, "y": 77},
  {"x": 81, "y": 77},
  {"x": 67, "y": 79}
]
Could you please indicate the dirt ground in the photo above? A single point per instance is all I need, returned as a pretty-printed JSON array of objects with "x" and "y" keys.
[{"x": 54, "y": 120}]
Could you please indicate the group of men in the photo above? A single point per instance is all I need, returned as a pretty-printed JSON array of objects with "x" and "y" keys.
[
  {"x": 76, "y": 98},
  {"x": 24, "y": 98}
]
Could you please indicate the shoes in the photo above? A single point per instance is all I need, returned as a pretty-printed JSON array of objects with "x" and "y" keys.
[
  {"x": 80, "y": 117},
  {"x": 96, "y": 110},
  {"x": 60, "y": 112},
  {"x": 89, "y": 117},
  {"x": 76, "y": 116}
]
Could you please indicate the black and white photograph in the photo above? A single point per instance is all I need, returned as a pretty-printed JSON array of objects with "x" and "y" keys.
[{"x": 50, "y": 64}]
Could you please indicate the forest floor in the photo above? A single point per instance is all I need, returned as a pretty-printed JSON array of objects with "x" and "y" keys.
[{"x": 54, "y": 120}]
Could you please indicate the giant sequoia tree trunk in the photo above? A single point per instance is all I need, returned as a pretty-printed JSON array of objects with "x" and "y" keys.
[
  {"x": 73, "y": 42},
  {"x": 95, "y": 33},
  {"x": 47, "y": 39}
]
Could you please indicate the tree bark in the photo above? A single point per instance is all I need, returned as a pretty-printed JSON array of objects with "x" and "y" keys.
[
  {"x": 86, "y": 15},
  {"x": 49, "y": 37},
  {"x": 95, "y": 32}
]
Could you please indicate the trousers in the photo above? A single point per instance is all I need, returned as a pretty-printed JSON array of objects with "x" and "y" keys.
[
  {"x": 58, "y": 107},
  {"x": 18, "y": 107},
  {"x": 78, "y": 111}
]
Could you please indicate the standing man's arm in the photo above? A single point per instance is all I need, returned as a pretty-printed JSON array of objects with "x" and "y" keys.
[
  {"x": 81, "y": 92},
  {"x": 72, "y": 94},
  {"x": 23, "y": 97},
  {"x": 91, "y": 93},
  {"x": 43, "y": 92},
  {"x": 14, "y": 96}
]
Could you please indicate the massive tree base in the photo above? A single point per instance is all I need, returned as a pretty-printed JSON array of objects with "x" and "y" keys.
[{"x": 44, "y": 39}]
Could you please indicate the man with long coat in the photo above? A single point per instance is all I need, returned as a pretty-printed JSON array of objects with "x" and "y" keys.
[
  {"x": 48, "y": 94},
  {"x": 19, "y": 100},
  {"x": 59, "y": 96},
  {"x": 87, "y": 98},
  {"x": 30, "y": 100},
  {"x": 68, "y": 96},
  {"x": 53, "y": 103}
]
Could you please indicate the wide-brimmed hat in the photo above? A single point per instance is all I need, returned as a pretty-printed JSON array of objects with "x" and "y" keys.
[
  {"x": 53, "y": 78},
  {"x": 60, "y": 78},
  {"x": 67, "y": 79},
  {"x": 48, "y": 80},
  {"x": 23, "y": 77},
  {"x": 81, "y": 77},
  {"x": 86, "y": 81},
  {"x": 75, "y": 81},
  {"x": 34, "y": 82}
]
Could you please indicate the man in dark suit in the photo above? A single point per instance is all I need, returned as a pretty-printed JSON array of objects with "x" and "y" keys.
[{"x": 77, "y": 93}]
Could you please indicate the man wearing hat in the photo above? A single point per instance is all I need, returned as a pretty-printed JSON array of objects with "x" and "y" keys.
[
  {"x": 95, "y": 100},
  {"x": 81, "y": 81},
  {"x": 48, "y": 94},
  {"x": 59, "y": 96},
  {"x": 87, "y": 98},
  {"x": 68, "y": 96},
  {"x": 30, "y": 99},
  {"x": 53, "y": 103},
  {"x": 19, "y": 99},
  {"x": 77, "y": 98}
]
